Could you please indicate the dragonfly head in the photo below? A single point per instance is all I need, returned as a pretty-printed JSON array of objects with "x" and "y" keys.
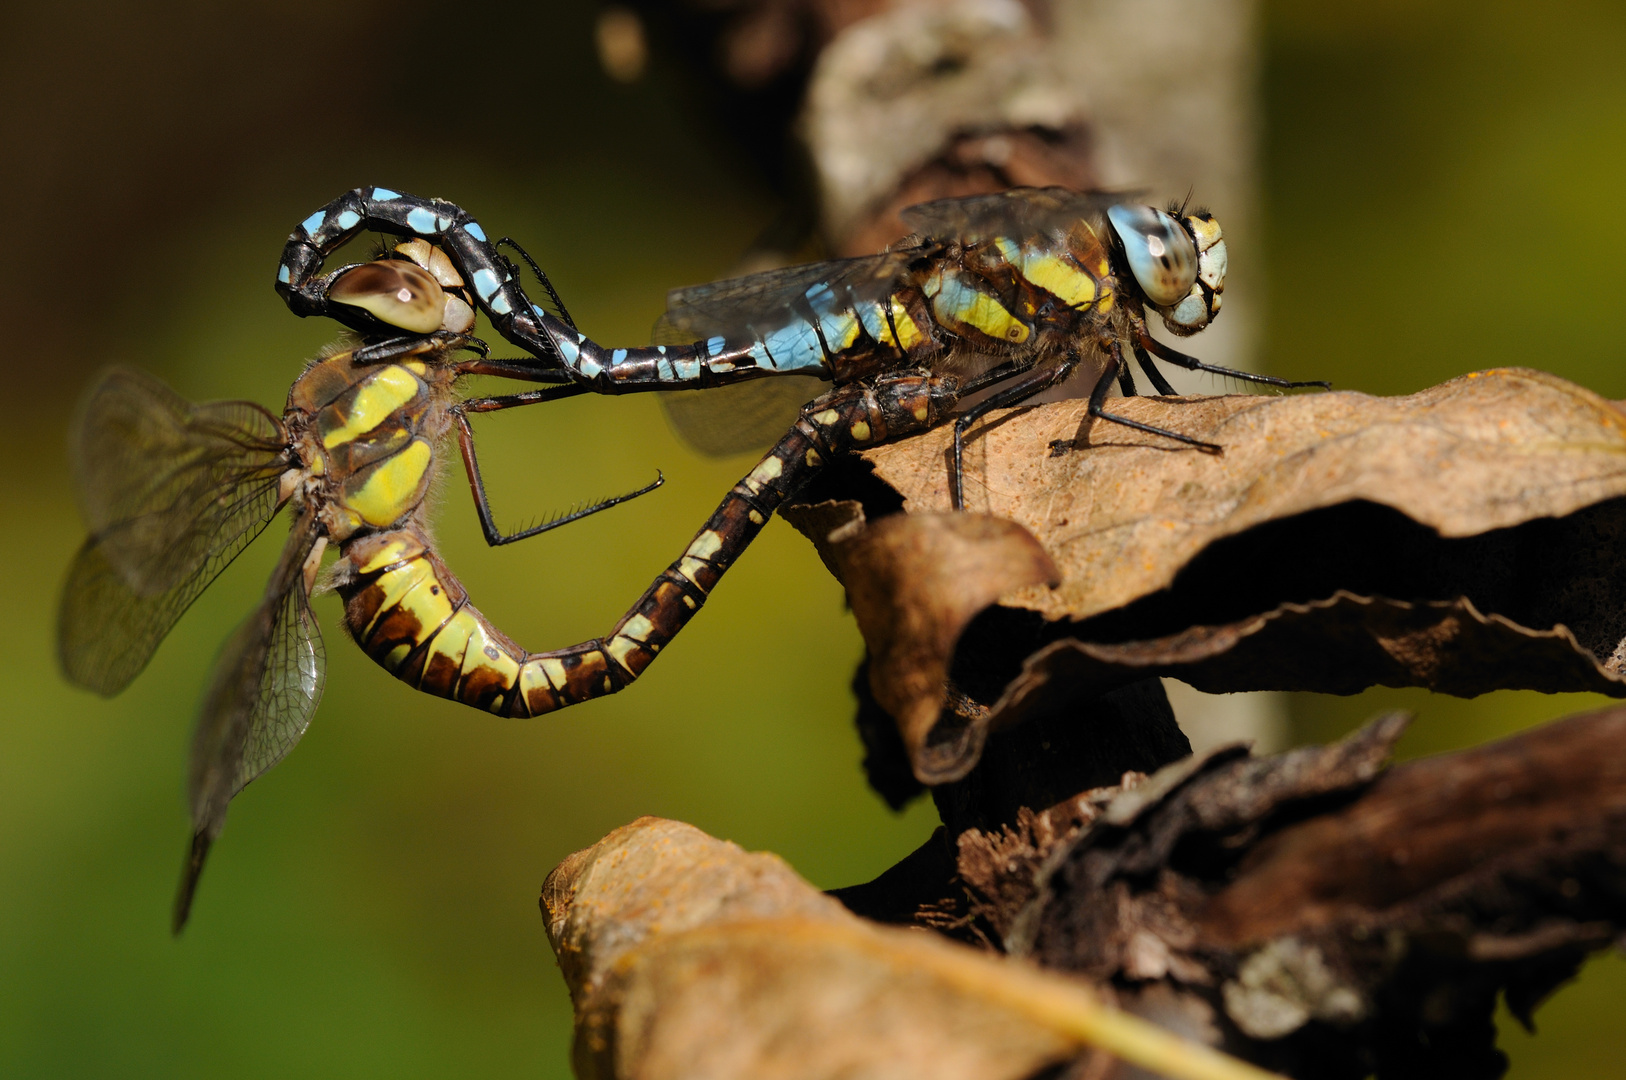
[
  {"x": 415, "y": 288},
  {"x": 1177, "y": 262}
]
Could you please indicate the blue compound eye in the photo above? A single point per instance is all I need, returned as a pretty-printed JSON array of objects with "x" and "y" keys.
[
  {"x": 1161, "y": 254},
  {"x": 397, "y": 292}
]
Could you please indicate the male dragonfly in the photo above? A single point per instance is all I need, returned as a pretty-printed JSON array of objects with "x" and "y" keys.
[
  {"x": 1011, "y": 293},
  {"x": 172, "y": 492},
  {"x": 1008, "y": 293}
]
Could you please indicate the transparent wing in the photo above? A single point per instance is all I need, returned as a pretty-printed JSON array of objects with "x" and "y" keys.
[
  {"x": 766, "y": 301},
  {"x": 265, "y": 689},
  {"x": 744, "y": 416},
  {"x": 752, "y": 415},
  {"x": 1017, "y": 212},
  {"x": 172, "y": 492}
]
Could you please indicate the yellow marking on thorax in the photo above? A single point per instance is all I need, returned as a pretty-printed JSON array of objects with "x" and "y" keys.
[
  {"x": 991, "y": 317},
  {"x": 394, "y": 487},
  {"x": 379, "y": 395},
  {"x": 1060, "y": 277}
]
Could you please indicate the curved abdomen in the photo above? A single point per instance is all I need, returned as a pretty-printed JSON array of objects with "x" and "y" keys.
[{"x": 410, "y": 614}]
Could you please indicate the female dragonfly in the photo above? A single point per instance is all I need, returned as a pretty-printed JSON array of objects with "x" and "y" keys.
[
  {"x": 1012, "y": 292},
  {"x": 172, "y": 492}
]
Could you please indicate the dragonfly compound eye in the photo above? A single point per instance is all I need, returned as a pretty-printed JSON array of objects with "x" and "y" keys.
[
  {"x": 1160, "y": 253},
  {"x": 396, "y": 292}
]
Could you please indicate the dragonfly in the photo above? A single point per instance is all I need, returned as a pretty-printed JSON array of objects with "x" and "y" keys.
[
  {"x": 1009, "y": 294},
  {"x": 172, "y": 492}
]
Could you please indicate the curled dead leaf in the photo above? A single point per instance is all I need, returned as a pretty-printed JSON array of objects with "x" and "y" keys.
[
  {"x": 1337, "y": 646},
  {"x": 688, "y": 957},
  {"x": 1464, "y": 539},
  {"x": 1122, "y": 515},
  {"x": 914, "y": 582}
]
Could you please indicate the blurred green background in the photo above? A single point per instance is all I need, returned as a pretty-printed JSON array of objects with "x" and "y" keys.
[{"x": 1441, "y": 189}]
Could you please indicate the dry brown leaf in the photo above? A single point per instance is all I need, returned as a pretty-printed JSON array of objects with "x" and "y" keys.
[
  {"x": 1337, "y": 646},
  {"x": 914, "y": 583},
  {"x": 1121, "y": 517},
  {"x": 689, "y": 958},
  {"x": 1394, "y": 906},
  {"x": 1463, "y": 539}
]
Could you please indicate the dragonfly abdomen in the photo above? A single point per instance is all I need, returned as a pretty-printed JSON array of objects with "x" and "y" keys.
[{"x": 411, "y": 615}]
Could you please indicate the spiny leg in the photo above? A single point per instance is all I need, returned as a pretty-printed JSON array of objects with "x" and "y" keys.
[
  {"x": 1145, "y": 340},
  {"x": 471, "y": 464},
  {"x": 1034, "y": 382},
  {"x": 547, "y": 283},
  {"x": 1103, "y": 386}
]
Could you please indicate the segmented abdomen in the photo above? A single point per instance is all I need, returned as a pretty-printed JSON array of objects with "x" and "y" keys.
[{"x": 410, "y": 614}]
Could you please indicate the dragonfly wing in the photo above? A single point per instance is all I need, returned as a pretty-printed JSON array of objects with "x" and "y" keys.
[
  {"x": 751, "y": 415},
  {"x": 172, "y": 493},
  {"x": 163, "y": 483},
  {"x": 1017, "y": 212},
  {"x": 744, "y": 416},
  {"x": 266, "y": 687},
  {"x": 747, "y": 306}
]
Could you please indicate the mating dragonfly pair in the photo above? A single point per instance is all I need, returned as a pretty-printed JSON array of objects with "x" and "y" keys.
[{"x": 1010, "y": 293}]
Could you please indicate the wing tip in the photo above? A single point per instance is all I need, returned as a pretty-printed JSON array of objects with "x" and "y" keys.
[{"x": 191, "y": 870}]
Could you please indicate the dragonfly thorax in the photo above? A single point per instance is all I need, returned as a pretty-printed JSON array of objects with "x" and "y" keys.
[{"x": 366, "y": 434}]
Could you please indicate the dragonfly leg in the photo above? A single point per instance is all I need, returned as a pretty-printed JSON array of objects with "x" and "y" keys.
[
  {"x": 1179, "y": 359},
  {"x": 1099, "y": 395},
  {"x": 471, "y": 464},
  {"x": 1126, "y": 382},
  {"x": 524, "y": 369},
  {"x": 389, "y": 350},
  {"x": 1034, "y": 382},
  {"x": 547, "y": 283},
  {"x": 1146, "y": 365}
]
